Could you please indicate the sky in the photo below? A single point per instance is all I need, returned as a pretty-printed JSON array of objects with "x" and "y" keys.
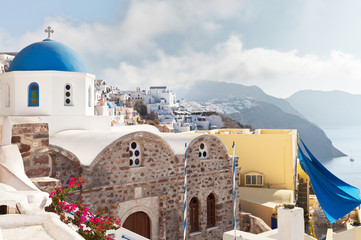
[{"x": 281, "y": 46}]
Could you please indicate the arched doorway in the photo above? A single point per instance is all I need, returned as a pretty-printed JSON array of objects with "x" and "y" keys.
[{"x": 139, "y": 223}]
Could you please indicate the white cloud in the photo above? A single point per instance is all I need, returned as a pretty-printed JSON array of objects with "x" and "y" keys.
[
  {"x": 136, "y": 36},
  {"x": 278, "y": 73},
  {"x": 137, "y": 32}
]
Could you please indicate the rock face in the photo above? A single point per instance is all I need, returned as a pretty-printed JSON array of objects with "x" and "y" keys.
[
  {"x": 227, "y": 122},
  {"x": 250, "y": 105}
]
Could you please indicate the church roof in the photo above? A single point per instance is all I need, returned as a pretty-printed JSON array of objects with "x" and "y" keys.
[
  {"x": 47, "y": 55},
  {"x": 87, "y": 144}
]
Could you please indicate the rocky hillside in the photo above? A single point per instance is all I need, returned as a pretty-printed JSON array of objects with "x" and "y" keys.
[
  {"x": 253, "y": 107},
  {"x": 227, "y": 121}
]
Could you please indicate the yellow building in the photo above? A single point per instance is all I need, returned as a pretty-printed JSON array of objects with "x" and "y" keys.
[{"x": 269, "y": 174}]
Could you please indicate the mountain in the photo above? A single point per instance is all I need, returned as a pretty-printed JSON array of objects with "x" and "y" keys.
[
  {"x": 266, "y": 115},
  {"x": 205, "y": 90},
  {"x": 251, "y": 107},
  {"x": 328, "y": 108}
]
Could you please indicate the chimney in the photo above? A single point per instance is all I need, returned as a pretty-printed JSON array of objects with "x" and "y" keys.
[{"x": 291, "y": 225}]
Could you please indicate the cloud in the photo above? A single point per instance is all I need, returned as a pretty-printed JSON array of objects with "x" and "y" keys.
[
  {"x": 138, "y": 29},
  {"x": 278, "y": 73},
  {"x": 158, "y": 43}
]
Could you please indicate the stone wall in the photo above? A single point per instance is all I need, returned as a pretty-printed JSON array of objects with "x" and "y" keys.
[
  {"x": 110, "y": 182},
  {"x": 33, "y": 142},
  {"x": 252, "y": 224},
  {"x": 211, "y": 175},
  {"x": 65, "y": 165}
]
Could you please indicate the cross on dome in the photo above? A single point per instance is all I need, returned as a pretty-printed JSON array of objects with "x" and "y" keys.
[{"x": 48, "y": 30}]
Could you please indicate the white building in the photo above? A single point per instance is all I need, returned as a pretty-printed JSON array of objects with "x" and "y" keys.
[
  {"x": 162, "y": 95},
  {"x": 160, "y": 99},
  {"x": 49, "y": 80},
  {"x": 5, "y": 60},
  {"x": 137, "y": 95},
  {"x": 37, "y": 84}
]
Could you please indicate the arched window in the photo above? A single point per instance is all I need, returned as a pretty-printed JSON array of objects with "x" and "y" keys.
[
  {"x": 33, "y": 95},
  {"x": 211, "y": 211},
  {"x": 203, "y": 151},
  {"x": 254, "y": 179},
  {"x": 193, "y": 209},
  {"x": 68, "y": 95}
]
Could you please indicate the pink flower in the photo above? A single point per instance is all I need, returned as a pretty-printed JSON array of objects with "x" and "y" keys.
[
  {"x": 52, "y": 194},
  {"x": 96, "y": 226}
]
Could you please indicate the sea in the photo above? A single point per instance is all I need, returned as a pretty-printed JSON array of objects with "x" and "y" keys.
[{"x": 348, "y": 140}]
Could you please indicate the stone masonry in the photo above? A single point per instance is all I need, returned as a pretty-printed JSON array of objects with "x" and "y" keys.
[
  {"x": 156, "y": 187},
  {"x": 33, "y": 142}
]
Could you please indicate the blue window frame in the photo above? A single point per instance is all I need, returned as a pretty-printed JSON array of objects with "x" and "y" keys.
[{"x": 33, "y": 100}]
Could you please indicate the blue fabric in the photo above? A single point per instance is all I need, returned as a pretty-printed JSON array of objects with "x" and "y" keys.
[
  {"x": 47, "y": 55},
  {"x": 336, "y": 197}
]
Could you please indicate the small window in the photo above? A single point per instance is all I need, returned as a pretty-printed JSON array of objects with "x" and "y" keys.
[
  {"x": 211, "y": 211},
  {"x": 134, "y": 155},
  {"x": 193, "y": 208},
  {"x": 203, "y": 152},
  {"x": 3, "y": 209},
  {"x": 260, "y": 179},
  {"x": 68, "y": 95},
  {"x": 33, "y": 100},
  {"x": 248, "y": 180},
  {"x": 254, "y": 179}
]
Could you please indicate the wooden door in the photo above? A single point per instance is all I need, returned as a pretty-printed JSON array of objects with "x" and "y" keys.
[{"x": 139, "y": 223}]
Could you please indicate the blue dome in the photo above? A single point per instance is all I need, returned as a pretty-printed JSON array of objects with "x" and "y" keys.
[{"x": 47, "y": 55}]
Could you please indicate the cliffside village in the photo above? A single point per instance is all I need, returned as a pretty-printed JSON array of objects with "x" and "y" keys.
[{"x": 158, "y": 102}]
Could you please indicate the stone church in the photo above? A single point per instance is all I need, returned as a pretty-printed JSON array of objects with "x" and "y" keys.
[{"x": 135, "y": 172}]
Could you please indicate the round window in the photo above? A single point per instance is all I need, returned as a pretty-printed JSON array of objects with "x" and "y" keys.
[
  {"x": 136, "y": 153},
  {"x": 137, "y": 161},
  {"x": 131, "y": 153},
  {"x": 134, "y": 145},
  {"x": 67, "y": 101},
  {"x": 67, "y": 94},
  {"x": 67, "y": 87}
]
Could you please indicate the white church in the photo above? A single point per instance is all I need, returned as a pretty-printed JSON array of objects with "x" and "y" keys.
[{"x": 55, "y": 85}]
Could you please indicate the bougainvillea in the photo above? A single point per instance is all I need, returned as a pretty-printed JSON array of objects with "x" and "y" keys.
[{"x": 88, "y": 225}]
